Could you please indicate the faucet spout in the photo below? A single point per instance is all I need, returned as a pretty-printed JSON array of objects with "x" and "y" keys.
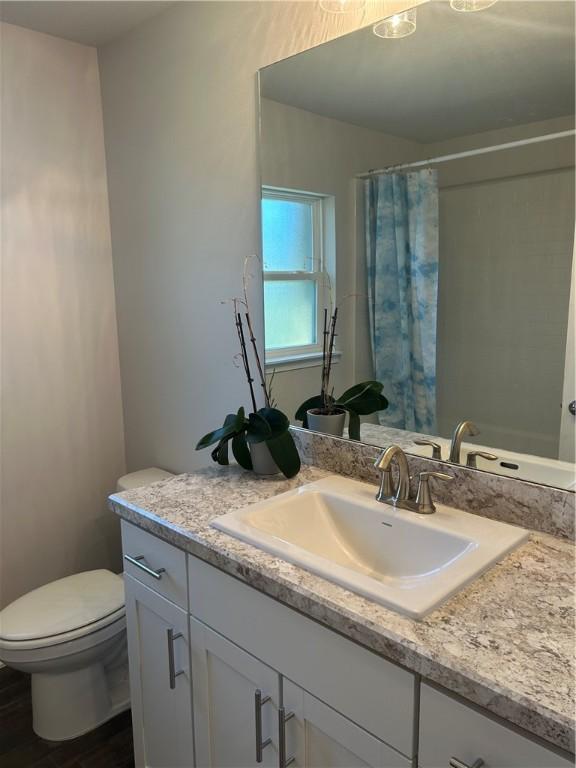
[
  {"x": 464, "y": 428},
  {"x": 384, "y": 464}
]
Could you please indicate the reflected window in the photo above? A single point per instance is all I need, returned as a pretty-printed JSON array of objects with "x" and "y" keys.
[{"x": 296, "y": 283}]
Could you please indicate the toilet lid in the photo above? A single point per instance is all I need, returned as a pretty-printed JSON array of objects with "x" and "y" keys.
[{"x": 63, "y": 606}]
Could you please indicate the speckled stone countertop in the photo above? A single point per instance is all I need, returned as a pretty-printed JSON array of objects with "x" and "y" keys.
[{"x": 506, "y": 642}]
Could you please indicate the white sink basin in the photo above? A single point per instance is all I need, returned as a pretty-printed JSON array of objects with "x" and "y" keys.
[{"x": 403, "y": 560}]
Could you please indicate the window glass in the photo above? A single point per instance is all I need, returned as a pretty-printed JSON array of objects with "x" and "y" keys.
[
  {"x": 289, "y": 313},
  {"x": 287, "y": 235}
]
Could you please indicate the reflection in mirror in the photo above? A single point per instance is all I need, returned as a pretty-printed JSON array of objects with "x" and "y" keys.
[{"x": 424, "y": 186}]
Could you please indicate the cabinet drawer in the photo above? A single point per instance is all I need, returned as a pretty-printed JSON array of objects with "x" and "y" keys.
[
  {"x": 375, "y": 694},
  {"x": 449, "y": 729},
  {"x": 154, "y": 556}
]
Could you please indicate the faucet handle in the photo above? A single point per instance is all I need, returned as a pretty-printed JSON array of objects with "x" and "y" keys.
[
  {"x": 423, "y": 501},
  {"x": 436, "y": 448},
  {"x": 473, "y": 455}
]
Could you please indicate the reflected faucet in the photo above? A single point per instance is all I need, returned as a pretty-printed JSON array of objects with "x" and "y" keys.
[{"x": 464, "y": 428}]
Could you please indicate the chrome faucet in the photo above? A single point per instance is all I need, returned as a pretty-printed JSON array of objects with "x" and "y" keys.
[
  {"x": 384, "y": 464},
  {"x": 464, "y": 428},
  {"x": 399, "y": 496}
]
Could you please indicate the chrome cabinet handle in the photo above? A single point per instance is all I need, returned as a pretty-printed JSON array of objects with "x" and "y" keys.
[
  {"x": 473, "y": 455},
  {"x": 258, "y": 704},
  {"x": 172, "y": 674},
  {"x": 455, "y": 763},
  {"x": 138, "y": 562},
  {"x": 283, "y": 718},
  {"x": 436, "y": 448},
  {"x": 572, "y": 407}
]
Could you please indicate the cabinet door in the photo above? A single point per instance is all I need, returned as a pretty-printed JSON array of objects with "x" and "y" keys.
[
  {"x": 451, "y": 731},
  {"x": 228, "y": 722},
  {"x": 160, "y": 683},
  {"x": 317, "y": 736}
]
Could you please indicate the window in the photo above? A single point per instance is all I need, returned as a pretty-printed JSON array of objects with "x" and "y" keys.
[{"x": 296, "y": 282}]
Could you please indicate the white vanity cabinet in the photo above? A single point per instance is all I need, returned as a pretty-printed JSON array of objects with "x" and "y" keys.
[
  {"x": 236, "y": 703},
  {"x": 337, "y": 704},
  {"x": 228, "y": 677},
  {"x": 160, "y": 681}
]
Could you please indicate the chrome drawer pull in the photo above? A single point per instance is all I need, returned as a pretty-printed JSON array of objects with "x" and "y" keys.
[
  {"x": 283, "y": 718},
  {"x": 455, "y": 763},
  {"x": 172, "y": 674},
  {"x": 258, "y": 704},
  {"x": 138, "y": 562}
]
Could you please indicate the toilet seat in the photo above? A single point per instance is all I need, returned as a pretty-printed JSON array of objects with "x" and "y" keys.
[{"x": 74, "y": 607}]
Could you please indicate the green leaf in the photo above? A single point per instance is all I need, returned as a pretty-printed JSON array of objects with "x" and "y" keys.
[
  {"x": 220, "y": 453},
  {"x": 353, "y": 425},
  {"x": 364, "y": 398},
  {"x": 241, "y": 451},
  {"x": 285, "y": 454},
  {"x": 234, "y": 422},
  {"x": 277, "y": 421},
  {"x": 312, "y": 402},
  {"x": 258, "y": 429}
]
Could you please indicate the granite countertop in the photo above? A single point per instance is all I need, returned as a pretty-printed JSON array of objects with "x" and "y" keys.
[{"x": 505, "y": 642}]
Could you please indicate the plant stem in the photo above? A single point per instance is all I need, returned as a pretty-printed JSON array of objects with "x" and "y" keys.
[
  {"x": 245, "y": 360},
  {"x": 258, "y": 363},
  {"x": 327, "y": 357},
  {"x": 324, "y": 382},
  {"x": 249, "y": 323}
]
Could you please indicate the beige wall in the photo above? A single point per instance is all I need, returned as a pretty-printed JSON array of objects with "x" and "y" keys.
[
  {"x": 62, "y": 441},
  {"x": 180, "y": 111},
  {"x": 302, "y": 150}
]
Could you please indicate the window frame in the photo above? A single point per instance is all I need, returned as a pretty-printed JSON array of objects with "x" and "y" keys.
[{"x": 320, "y": 275}]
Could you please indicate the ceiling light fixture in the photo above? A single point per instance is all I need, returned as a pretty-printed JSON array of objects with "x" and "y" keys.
[
  {"x": 400, "y": 25},
  {"x": 470, "y": 6},
  {"x": 342, "y": 6}
]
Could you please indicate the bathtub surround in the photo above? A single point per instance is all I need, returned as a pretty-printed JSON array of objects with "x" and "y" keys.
[
  {"x": 454, "y": 646},
  {"x": 539, "y": 507},
  {"x": 62, "y": 432}
]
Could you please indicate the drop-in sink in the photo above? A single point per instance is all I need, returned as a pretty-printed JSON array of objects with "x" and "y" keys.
[{"x": 405, "y": 561}]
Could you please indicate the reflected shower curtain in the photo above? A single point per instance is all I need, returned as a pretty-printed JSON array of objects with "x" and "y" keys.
[{"x": 401, "y": 214}]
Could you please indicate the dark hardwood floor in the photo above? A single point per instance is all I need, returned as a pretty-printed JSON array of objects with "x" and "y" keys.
[{"x": 109, "y": 746}]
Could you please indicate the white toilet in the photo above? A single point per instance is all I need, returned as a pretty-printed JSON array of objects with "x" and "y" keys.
[{"x": 70, "y": 636}]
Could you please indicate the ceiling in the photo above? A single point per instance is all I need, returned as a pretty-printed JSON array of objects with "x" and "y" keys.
[
  {"x": 458, "y": 74},
  {"x": 91, "y": 22}
]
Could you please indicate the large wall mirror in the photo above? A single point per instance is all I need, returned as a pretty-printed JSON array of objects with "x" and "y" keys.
[{"x": 424, "y": 186}]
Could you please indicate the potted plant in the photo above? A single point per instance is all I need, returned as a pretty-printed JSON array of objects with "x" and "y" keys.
[
  {"x": 327, "y": 413},
  {"x": 260, "y": 441}
]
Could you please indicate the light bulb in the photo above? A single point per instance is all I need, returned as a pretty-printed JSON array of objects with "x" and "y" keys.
[
  {"x": 342, "y": 6},
  {"x": 400, "y": 25},
  {"x": 470, "y": 6}
]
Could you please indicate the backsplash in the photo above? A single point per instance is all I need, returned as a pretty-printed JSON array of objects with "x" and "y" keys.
[{"x": 540, "y": 507}]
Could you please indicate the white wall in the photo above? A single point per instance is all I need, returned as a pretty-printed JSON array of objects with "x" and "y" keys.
[
  {"x": 62, "y": 435},
  {"x": 180, "y": 107},
  {"x": 305, "y": 151}
]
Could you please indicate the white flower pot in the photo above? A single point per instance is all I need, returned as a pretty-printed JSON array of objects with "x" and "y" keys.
[
  {"x": 262, "y": 461},
  {"x": 329, "y": 424}
]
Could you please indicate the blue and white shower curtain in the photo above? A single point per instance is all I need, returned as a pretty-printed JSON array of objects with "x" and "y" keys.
[{"x": 401, "y": 214}]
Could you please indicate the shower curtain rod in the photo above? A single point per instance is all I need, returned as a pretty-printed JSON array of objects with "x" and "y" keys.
[{"x": 470, "y": 153}]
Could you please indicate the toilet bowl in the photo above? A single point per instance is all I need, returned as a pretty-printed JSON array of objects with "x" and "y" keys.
[{"x": 70, "y": 637}]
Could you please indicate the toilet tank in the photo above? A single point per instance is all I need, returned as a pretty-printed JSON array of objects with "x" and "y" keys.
[{"x": 142, "y": 477}]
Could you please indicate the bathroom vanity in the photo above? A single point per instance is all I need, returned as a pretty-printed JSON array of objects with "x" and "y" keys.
[{"x": 238, "y": 657}]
